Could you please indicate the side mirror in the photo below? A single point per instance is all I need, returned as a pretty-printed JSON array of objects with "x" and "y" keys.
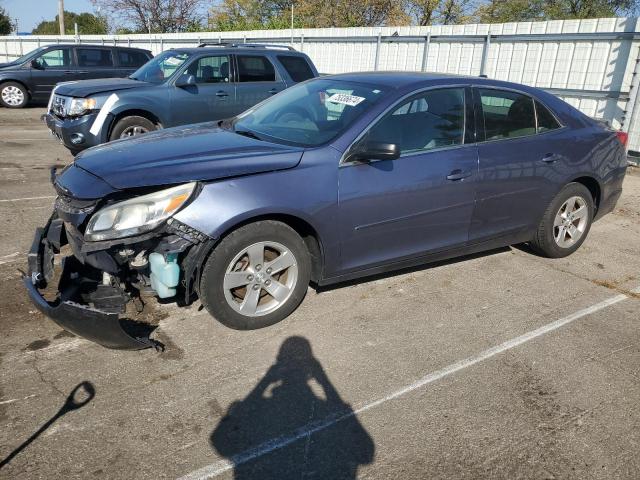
[
  {"x": 370, "y": 150},
  {"x": 37, "y": 65},
  {"x": 186, "y": 81}
]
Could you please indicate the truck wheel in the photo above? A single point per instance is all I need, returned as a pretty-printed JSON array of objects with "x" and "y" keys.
[
  {"x": 256, "y": 276},
  {"x": 13, "y": 95},
  {"x": 566, "y": 223},
  {"x": 131, "y": 126}
]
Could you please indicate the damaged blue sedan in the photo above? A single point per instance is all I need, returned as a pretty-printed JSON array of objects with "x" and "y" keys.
[{"x": 334, "y": 179}]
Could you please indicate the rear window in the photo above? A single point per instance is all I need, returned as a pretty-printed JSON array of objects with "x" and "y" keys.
[
  {"x": 94, "y": 57},
  {"x": 507, "y": 114},
  {"x": 297, "y": 67},
  {"x": 131, "y": 58},
  {"x": 255, "y": 69}
]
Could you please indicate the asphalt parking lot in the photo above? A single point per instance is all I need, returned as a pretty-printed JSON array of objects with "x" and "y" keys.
[{"x": 503, "y": 365}]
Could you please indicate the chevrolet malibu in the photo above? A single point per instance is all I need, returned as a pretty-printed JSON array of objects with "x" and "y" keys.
[{"x": 337, "y": 178}]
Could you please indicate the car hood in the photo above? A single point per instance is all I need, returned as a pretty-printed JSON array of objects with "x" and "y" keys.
[
  {"x": 200, "y": 152},
  {"x": 8, "y": 66},
  {"x": 85, "y": 88}
]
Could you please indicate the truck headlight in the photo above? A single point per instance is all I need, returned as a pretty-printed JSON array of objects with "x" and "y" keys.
[
  {"x": 137, "y": 215},
  {"x": 79, "y": 106}
]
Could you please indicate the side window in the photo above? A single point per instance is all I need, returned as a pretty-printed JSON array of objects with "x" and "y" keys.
[
  {"x": 433, "y": 119},
  {"x": 255, "y": 69},
  {"x": 507, "y": 114},
  {"x": 546, "y": 120},
  {"x": 131, "y": 58},
  {"x": 210, "y": 69},
  {"x": 297, "y": 67},
  {"x": 94, "y": 57},
  {"x": 55, "y": 58}
]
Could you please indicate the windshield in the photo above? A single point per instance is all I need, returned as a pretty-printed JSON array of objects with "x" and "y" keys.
[
  {"x": 309, "y": 114},
  {"x": 160, "y": 68},
  {"x": 29, "y": 55}
]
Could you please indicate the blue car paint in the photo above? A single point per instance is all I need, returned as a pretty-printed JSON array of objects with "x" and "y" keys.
[{"x": 386, "y": 214}]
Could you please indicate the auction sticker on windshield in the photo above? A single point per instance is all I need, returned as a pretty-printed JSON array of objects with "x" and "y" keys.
[{"x": 344, "y": 99}]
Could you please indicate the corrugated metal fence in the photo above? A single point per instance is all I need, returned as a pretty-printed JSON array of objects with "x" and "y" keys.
[{"x": 592, "y": 64}]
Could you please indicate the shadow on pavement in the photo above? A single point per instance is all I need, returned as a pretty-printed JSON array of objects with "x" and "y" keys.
[
  {"x": 264, "y": 436},
  {"x": 81, "y": 395}
]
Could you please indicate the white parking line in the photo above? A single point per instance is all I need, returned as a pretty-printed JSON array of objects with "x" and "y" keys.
[
  {"x": 12, "y": 257},
  {"x": 305, "y": 431},
  {"x": 26, "y": 198}
]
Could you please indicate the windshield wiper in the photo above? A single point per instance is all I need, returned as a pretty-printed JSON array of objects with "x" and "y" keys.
[{"x": 247, "y": 133}]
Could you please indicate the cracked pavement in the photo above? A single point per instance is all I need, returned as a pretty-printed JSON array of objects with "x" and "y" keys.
[{"x": 563, "y": 405}]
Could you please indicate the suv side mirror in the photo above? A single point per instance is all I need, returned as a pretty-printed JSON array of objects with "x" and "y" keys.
[
  {"x": 186, "y": 81},
  {"x": 36, "y": 64},
  {"x": 371, "y": 150}
]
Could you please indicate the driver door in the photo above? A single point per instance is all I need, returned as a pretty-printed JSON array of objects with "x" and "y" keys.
[
  {"x": 55, "y": 66},
  {"x": 421, "y": 202},
  {"x": 212, "y": 97}
]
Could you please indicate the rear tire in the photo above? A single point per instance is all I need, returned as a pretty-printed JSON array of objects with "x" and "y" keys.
[
  {"x": 13, "y": 95},
  {"x": 256, "y": 276},
  {"x": 131, "y": 127},
  {"x": 566, "y": 222}
]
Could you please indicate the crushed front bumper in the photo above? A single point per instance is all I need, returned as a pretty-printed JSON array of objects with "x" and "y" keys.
[{"x": 107, "y": 329}]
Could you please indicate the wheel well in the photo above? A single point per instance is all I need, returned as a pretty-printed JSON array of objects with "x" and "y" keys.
[
  {"x": 593, "y": 186},
  {"x": 134, "y": 113},
  {"x": 304, "y": 229}
]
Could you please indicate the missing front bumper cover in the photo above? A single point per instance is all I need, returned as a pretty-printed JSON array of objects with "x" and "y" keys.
[{"x": 106, "y": 328}]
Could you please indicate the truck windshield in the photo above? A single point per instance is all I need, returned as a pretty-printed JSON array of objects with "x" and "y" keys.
[
  {"x": 309, "y": 114},
  {"x": 160, "y": 68}
]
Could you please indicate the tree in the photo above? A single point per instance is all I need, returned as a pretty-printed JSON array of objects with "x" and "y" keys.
[
  {"x": 5, "y": 22},
  {"x": 259, "y": 14},
  {"x": 158, "y": 16},
  {"x": 88, "y": 24},
  {"x": 496, "y": 11},
  {"x": 428, "y": 12}
]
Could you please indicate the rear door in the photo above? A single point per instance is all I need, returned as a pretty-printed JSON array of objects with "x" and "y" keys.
[
  {"x": 256, "y": 79},
  {"x": 519, "y": 160},
  {"x": 213, "y": 97},
  {"x": 54, "y": 66},
  {"x": 95, "y": 62}
]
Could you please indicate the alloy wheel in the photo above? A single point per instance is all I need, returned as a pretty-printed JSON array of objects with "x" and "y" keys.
[
  {"x": 12, "y": 95},
  {"x": 260, "y": 279},
  {"x": 570, "y": 222},
  {"x": 133, "y": 131}
]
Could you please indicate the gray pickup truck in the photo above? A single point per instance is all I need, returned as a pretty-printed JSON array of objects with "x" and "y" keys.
[{"x": 178, "y": 87}]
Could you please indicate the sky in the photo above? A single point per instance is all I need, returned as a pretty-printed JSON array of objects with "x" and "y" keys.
[{"x": 31, "y": 12}]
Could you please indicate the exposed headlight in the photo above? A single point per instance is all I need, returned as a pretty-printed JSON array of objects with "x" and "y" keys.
[
  {"x": 137, "y": 215},
  {"x": 78, "y": 106}
]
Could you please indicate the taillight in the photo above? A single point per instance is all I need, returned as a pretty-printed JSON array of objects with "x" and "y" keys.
[{"x": 623, "y": 137}]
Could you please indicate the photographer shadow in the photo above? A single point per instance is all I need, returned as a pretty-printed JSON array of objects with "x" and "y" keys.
[{"x": 293, "y": 424}]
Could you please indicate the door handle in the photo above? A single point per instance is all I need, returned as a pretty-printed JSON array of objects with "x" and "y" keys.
[
  {"x": 550, "y": 158},
  {"x": 222, "y": 94},
  {"x": 273, "y": 91},
  {"x": 457, "y": 175}
]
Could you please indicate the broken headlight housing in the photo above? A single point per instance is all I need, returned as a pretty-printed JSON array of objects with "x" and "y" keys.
[{"x": 137, "y": 215}]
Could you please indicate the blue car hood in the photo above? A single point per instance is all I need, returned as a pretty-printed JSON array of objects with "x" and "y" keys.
[
  {"x": 198, "y": 152},
  {"x": 85, "y": 88}
]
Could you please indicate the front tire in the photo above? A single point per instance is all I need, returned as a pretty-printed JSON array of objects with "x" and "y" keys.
[
  {"x": 131, "y": 127},
  {"x": 566, "y": 222},
  {"x": 13, "y": 95},
  {"x": 256, "y": 276}
]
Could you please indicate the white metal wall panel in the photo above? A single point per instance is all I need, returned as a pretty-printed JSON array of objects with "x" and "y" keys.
[{"x": 593, "y": 74}]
